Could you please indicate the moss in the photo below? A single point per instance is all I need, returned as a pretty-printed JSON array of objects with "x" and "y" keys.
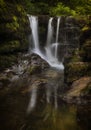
[
  {"x": 75, "y": 70},
  {"x": 76, "y": 57},
  {"x": 85, "y": 28},
  {"x": 10, "y": 47},
  {"x": 20, "y": 10},
  {"x": 15, "y": 18},
  {"x": 34, "y": 69},
  {"x": 2, "y": 3},
  {"x": 12, "y": 26},
  {"x": 14, "y": 23},
  {"x": 7, "y": 61},
  {"x": 85, "y": 52}
]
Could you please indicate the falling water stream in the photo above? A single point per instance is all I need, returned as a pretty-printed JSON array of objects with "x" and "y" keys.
[{"x": 51, "y": 54}]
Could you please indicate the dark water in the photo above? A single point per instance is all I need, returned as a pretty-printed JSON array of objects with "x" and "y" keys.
[
  {"x": 45, "y": 111},
  {"x": 49, "y": 118}
]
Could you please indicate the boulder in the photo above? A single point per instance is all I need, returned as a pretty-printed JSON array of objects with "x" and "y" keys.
[
  {"x": 80, "y": 91},
  {"x": 79, "y": 87},
  {"x": 75, "y": 70}
]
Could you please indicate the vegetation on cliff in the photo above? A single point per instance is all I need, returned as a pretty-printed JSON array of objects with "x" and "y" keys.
[
  {"x": 14, "y": 28},
  {"x": 58, "y": 7}
]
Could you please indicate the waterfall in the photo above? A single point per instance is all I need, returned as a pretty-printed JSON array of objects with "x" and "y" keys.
[
  {"x": 34, "y": 28},
  {"x": 51, "y": 48},
  {"x": 50, "y": 32},
  {"x": 48, "y": 47},
  {"x": 57, "y": 32},
  {"x": 55, "y": 45}
]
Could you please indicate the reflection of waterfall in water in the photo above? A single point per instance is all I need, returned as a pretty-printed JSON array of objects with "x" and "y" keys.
[
  {"x": 33, "y": 99},
  {"x": 50, "y": 56},
  {"x": 54, "y": 82}
]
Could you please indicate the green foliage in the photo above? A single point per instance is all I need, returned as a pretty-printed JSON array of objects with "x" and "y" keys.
[
  {"x": 7, "y": 61},
  {"x": 34, "y": 69},
  {"x": 57, "y": 7},
  {"x": 53, "y": 7},
  {"x": 75, "y": 70},
  {"x": 2, "y": 3},
  {"x": 14, "y": 18},
  {"x": 86, "y": 51},
  {"x": 60, "y": 9},
  {"x": 13, "y": 26},
  {"x": 9, "y": 47},
  {"x": 37, "y": 8}
]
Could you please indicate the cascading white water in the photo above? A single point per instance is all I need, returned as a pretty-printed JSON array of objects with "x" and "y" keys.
[
  {"x": 57, "y": 32},
  {"x": 55, "y": 45},
  {"x": 51, "y": 50},
  {"x": 48, "y": 47},
  {"x": 50, "y": 32},
  {"x": 34, "y": 28}
]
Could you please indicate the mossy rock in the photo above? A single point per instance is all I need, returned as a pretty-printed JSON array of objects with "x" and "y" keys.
[
  {"x": 80, "y": 88},
  {"x": 75, "y": 57},
  {"x": 14, "y": 46},
  {"x": 85, "y": 28},
  {"x": 10, "y": 47},
  {"x": 85, "y": 35},
  {"x": 87, "y": 90},
  {"x": 34, "y": 69},
  {"x": 9, "y": 27},
  {"x": 85, "y": 52},
  {"x": 75, "y": 70},
  {"x": 7, "y": 61}
]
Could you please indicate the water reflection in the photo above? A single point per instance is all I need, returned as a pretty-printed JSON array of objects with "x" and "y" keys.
[
  {"x": 32, "y": 101},
  {"x": 54, "y": 81},
  {"x": 49, "y": 118},
  {"x": 49, "y": 112}
]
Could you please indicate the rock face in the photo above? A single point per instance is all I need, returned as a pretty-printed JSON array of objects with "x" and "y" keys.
[
  {"x": 14, "y": 30},
  {"x": 78, "y": 68},
  {"x": 79, "y": 86},
  {"x": 37, "y": 65},
  {"x": 85, "y": 42},
  {"x": 80, "y": 90}
]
